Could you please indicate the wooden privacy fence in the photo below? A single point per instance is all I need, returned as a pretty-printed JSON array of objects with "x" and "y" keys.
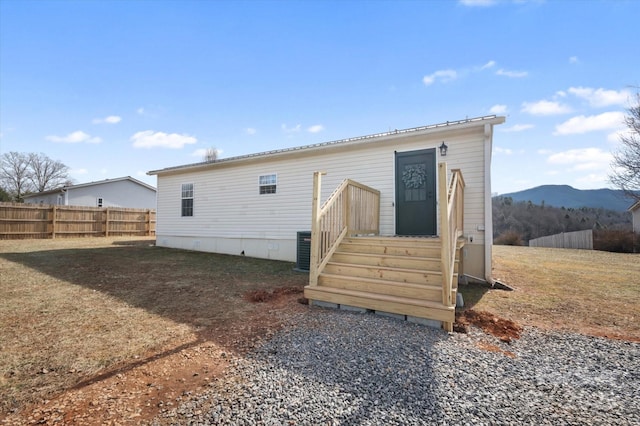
[
  {"x": 575, "y": 240},
  {"x": 33, "y": 221}
]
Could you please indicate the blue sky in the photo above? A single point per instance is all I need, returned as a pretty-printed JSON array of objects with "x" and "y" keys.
[{"x": 117, "y": 88}]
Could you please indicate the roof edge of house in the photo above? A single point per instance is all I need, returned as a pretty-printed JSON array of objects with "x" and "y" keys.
[
  {"x": 448, "y": 125},
  {"x": 97, "y": 182}
]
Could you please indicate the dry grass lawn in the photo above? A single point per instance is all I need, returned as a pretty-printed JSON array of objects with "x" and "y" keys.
[
  {"x": 591, "y": 292},
  {"x": 70, "y": 309}
]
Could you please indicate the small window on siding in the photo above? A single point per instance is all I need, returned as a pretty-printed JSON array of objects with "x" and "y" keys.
[
  {"x": 99, "y": 202},
  {"x": 187, "y": 199},
  {"x": 268, "y": 184}
]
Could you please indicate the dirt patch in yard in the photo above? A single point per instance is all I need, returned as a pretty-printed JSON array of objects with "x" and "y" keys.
[{"x": 505, "y": 330}]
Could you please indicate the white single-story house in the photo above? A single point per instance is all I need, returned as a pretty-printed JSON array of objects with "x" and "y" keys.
[
  {"x": 119, "y": 192},
  {"x": 635, "y": 215},
  {"x": 256, "y": 204}
]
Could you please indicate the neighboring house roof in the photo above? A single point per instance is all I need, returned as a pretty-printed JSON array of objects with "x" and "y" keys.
[
  {"x": 81, "y": 185},
  {"x": 460, "y": 124},
  {"x": 635, "y": 206}
]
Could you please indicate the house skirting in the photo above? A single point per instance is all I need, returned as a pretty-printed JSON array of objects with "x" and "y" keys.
[{"x": 274, "y": 249}]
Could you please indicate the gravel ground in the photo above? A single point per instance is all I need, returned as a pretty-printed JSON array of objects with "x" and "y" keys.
[{"x": 341, "y": 368}]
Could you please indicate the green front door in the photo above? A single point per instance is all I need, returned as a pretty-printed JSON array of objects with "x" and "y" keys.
[{"x": 416, "y": 192}]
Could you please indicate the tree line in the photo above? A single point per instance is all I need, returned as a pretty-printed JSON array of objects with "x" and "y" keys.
[
  {"x": 515, "y": 223},
  {"x": 26, "y": 173}
]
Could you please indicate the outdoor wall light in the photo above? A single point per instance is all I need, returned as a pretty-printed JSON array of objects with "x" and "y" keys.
[{"x": 443, "y": 149}]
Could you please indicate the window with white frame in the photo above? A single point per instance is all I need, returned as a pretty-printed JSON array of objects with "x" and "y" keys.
[
  {"x": 187, "y": 199},
  {"x": 268, "y": 184}
]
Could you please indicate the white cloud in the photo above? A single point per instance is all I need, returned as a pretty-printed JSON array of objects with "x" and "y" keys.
[
  {"x": 582, "y": 159},
  {"x": 293, "y": 129},
  {"x": 152, "y": 139},
  {"x": 78, "y": 172},
  {"x": 140, "y": 111},
  {"x": 544, "y": 151},
  {"x": 250, "y": 131},
  {"x": 594, "y": 179},
  {"x": 141, "y": 173},
  {"x": 614, "y": 137},
  {"x": 498, "y": 109},
  {"x": 573, "y": 60},
  {"x": 517, "y": 128},
  {"x": 74, "y": 137},
  {"x": 112, "y": 119},
  {"x": 478, "y": 3},
  {"x": 316, "y": 128},
  {"x": 583, "y": 124},
  {"x": 505, "y": 151},
  {"x": 488, "y": 65},
  {"x": 600, "y": 97},
  {"x": 545, "y": 108},
  {"x": 512, "y": 74},
  {"x": 443, "y": 76}
]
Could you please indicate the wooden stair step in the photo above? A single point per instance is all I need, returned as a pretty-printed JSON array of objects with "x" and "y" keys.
[
  {"x": 373, "y": 285},
  {"x": 390, "y": 260},
  {"x": 416, "y": 276},
  {"x": 392, "y": 249},
  {"x": 382, "y": 302}
]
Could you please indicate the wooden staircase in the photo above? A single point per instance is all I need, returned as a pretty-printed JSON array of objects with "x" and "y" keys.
[{"x": 400, "y": 275}]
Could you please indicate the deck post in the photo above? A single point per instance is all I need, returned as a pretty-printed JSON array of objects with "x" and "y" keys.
[
  {"x": 444, "y": 233},
  {"x": 346, "y": 207},
  {"x": 315, "y": 229}
]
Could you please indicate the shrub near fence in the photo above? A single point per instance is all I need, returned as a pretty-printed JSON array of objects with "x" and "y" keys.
[
  {"x": 33, "y": 221},
  {"x": 574, "y": 240}
]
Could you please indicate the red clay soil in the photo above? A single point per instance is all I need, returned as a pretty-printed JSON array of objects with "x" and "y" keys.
[
  {"x": 135, "y": 394},
  {"x": 504, "y": 329}
]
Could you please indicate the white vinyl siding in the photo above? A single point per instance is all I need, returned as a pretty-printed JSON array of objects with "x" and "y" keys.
[
  {"x": 230, "y": 207},
  {"x": 121, "y": 193}
]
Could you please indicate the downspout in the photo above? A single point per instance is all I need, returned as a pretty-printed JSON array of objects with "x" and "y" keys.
[{"x": 488, "y": 211}]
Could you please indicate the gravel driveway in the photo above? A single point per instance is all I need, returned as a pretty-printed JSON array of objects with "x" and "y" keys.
[{"x": 341, "y": 368}]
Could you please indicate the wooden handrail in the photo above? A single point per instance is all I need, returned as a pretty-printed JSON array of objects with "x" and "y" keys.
[
  {"x": 352, "y": 208},
  {"x": 451, "y": 199}
]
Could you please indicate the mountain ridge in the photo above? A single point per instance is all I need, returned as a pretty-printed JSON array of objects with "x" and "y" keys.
[{"x": 569, "y": 197}]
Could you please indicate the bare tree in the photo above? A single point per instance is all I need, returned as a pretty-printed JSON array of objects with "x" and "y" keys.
[
  {"x": 210, "y": 155},
  {"x": 15, "y": 174},
  {"x": 626, "y": 161},
  {"x": 46, "y": 173}
]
